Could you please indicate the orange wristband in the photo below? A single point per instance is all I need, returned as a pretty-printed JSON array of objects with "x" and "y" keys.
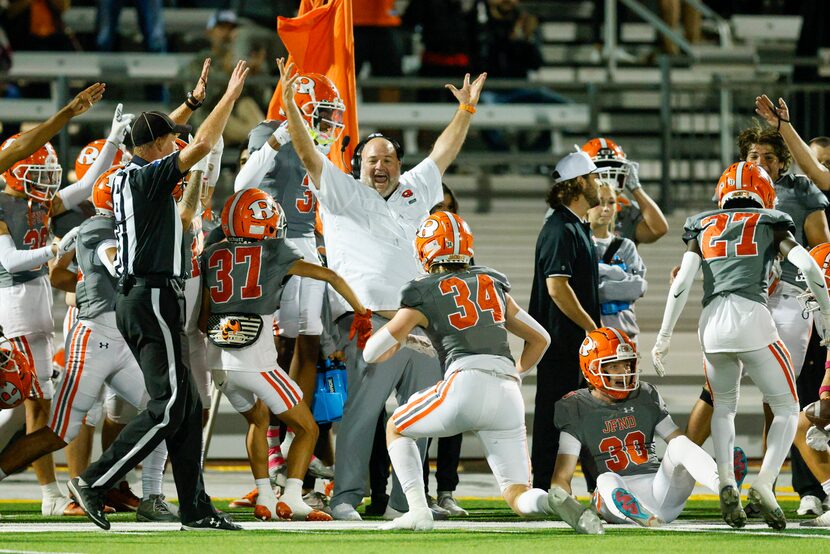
[{"x": 467, "y": 108}]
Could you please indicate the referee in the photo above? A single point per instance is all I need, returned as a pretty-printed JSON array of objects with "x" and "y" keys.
[{"x": 149, "y": 312}]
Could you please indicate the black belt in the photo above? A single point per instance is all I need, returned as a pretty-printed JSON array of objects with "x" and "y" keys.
[{"x": 150, "y": 282}]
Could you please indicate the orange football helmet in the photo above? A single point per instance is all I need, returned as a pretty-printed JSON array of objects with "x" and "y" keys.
[
  {"x": 39, "y": 175},
  {"x": 102, "y": 191},
  {"x": 252, "y": 214},
  {"x": 322, "y": 108},
  {"x": 610, "y": 159},
  {"x": 90, "y": 152},
  {"x": 607, "y": 345},
  {"x": 746, "y": 180},
  {"x": 16, "y": 376},
  {"x": 444, "y": 238}
]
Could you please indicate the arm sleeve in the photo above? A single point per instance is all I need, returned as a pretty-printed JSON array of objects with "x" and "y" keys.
[
  {"x": 679, "y": 292},
  {"x": 569, "y": 444},
  {"x": 160, "y": 176},
  {"x": 557, "y": 252},
  {"x": 101, "y": 252},
  {"x": 255, "y": 168},
  {"x": 14, "y": 260},
  {"x": 76, "y": 193},
  {"x": 338, "y": 189}
]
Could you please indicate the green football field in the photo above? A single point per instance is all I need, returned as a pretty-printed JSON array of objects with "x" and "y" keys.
[{"x": 490, "y": 528}]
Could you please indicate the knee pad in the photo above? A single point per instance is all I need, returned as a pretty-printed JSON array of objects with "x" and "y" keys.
[{"x": 706, "y": 396}]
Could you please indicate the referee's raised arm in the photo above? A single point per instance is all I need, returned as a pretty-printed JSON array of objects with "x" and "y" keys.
[{"x": 210, "y": 131}]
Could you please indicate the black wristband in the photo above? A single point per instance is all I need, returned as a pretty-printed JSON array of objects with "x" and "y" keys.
[
  {"x": 191, "y": 102},
  {"x": 781, "y": 120}
]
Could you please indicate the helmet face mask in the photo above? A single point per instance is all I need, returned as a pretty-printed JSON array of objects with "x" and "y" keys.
[
  {"x": 40, "y": 181},
  {"x": 610, "y": 363},
  {"x": 321, "y": 106},
  {"x": 613, "y": 172}
]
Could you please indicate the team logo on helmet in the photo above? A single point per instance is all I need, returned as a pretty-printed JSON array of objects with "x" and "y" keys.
[
  {"x": 262, "y": 209},
  {"x": 587, "y": 346}
]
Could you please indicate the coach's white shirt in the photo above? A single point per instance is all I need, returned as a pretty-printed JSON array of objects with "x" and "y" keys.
[{"x": 370, "y": 241}]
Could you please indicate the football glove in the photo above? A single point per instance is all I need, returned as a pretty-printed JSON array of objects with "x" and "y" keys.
[
  {"x": 632, "y": 181},
  {"x": 67, "y": 242},
  {"x": 120, "y": 125},
  {"x": 660, "y": 351},
  {"x": 817, "y": 439},
  {"x": 361, "y": 328}
]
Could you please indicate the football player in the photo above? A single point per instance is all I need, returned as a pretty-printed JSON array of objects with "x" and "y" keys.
[
  {"x": 639, "y": 218},
  {"x": 617, "y": 418},
  {"x": 273, "y": 166},
  {"x": 243, "y": 279},
  {"x": 97, "y": 355},
  {"x": 467, "y": 314},
  {"x": 27, "y": 204},
  {"x": 736, "y": 245}
]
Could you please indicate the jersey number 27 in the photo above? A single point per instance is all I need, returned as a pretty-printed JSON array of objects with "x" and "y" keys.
[
  {"x": 486, "y": 300},
  {"x": 712, "y": 246}
]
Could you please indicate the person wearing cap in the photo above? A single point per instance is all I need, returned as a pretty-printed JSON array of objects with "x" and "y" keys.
[
  {"x": 151, "y": 263},
  {"x": 564, "y": 298}
]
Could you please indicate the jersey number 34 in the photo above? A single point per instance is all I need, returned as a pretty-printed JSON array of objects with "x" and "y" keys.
[{"x": 486, "y": 300}]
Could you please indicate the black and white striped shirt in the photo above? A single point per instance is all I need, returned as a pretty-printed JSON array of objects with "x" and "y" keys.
[{"x": 148, "y": 227}]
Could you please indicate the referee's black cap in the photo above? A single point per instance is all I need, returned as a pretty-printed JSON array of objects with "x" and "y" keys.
[{"x": 149, "y": 126}]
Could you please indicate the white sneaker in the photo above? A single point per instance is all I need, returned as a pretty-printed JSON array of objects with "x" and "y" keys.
[
  {"x": 344, "y": 512},
  {"x": 810, "y": 505},
  {"x": 55, "y": 506},
  {"x": 821, "y": 521},
  {"x": 826, "y": 504},
  {"x": 419, "y": 519},
  {"x": 320, "y": 470},
  {"x": 391, "y": 513}
]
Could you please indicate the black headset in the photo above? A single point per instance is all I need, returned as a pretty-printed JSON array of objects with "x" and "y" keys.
[{"x": 358, "y": 150}]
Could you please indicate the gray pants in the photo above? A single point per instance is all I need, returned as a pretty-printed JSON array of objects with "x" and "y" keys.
[{"x": 369, "y": 387}]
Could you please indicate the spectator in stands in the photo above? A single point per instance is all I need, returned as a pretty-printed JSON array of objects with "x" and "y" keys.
[
  {"x": 221, "y": 33},
  {"x": 377, "y": 42},
  {"x": 670, "y": 11},
  {"x": 506, "y": 43},
  {"x": 564, "y": 298},
  {"x": 150, "y": 21},
  {"x": 621, "y": 270},
  {"x": 37, "y": 25}
]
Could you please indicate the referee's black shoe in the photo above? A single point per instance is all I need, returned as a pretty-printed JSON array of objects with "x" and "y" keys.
[
  {"x": 215, "y": 522},
  {"x": 91, "y": 500}
]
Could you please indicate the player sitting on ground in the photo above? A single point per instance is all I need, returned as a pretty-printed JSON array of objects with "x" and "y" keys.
[
  {"x": 243, "y": 281},
  {"x": 735, "y": 245},
  {"x": 616, "y": 418},
  {"x": 466, "y": 313}
]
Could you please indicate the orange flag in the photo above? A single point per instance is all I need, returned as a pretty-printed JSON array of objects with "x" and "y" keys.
[{"x": 321, "y": 41}]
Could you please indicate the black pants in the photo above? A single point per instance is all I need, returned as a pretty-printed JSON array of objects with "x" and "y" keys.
[
  {"x": 446, "y": 466},
  {"x": 151, "y": 321},
  {"x": 379, "y": 464},
  {"x": 556, "y": 375},
  {"x": 812, "y": 373}
]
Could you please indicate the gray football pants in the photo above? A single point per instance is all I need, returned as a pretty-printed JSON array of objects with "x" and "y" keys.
[{"x": 369, "y": 387}]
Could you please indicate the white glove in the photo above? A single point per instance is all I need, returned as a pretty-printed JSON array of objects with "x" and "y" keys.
[
  {"x": 281, "y": 135},
  {"x": 660, "y": 351},
  {"x": 120, "y": 125},
  {"x": 67, "y": 242},
  {"x": 817, "y": 439},
  {"x": 421, "y": 345},
  {"x": 632, "y": 182}
]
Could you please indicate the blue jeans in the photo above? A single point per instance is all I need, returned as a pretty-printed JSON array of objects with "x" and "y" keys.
[{"x": 150, "y": 21}]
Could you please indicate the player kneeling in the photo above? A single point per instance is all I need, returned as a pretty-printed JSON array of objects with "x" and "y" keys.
[
  {"x": 243, "y": 279},
  {"x": 466, "y": 313},
  {"x": 616, "y": 419}
]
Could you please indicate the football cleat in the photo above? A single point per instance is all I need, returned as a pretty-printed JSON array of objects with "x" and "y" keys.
[
  {"x": 266, "y": 511},
  {"x": 763, "y": 499},
  {"x": 318, "y": 469},
  {"x": 247, "y": 501},
  {"x": 156, "y": 508},
  {"x": 631, "y": 508},
  {"x": 419, "y": 519},
  {"x": 316, "y": 500},
  {"x": 741, "y": 465},
  {"x": 299, "y": 511},
  {"x": 122, "y": 498},
  {"x": 217, "y": 522},
  {"x": 821, "y": 521},
  {"x": 580, "y": 518},
  {"x": 448, "y": 503},
  {"x": 730, "y": 507}
]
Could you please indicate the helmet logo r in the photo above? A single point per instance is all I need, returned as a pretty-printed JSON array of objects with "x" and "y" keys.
[{"x": 262, "y": 209}]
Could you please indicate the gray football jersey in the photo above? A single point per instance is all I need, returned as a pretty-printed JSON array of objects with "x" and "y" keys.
[
  {"x": 797, "y": 197},
  {"x": 287, "y": 182},
  {"x": 465, "y": 311},
  {"x": 95, "y": 293},
  {"x": 28, "y": 224},
  {"x": 247, "y": 277},
  {"x": 619, "y": 435},
  {"x": 738, "y": 247}
]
